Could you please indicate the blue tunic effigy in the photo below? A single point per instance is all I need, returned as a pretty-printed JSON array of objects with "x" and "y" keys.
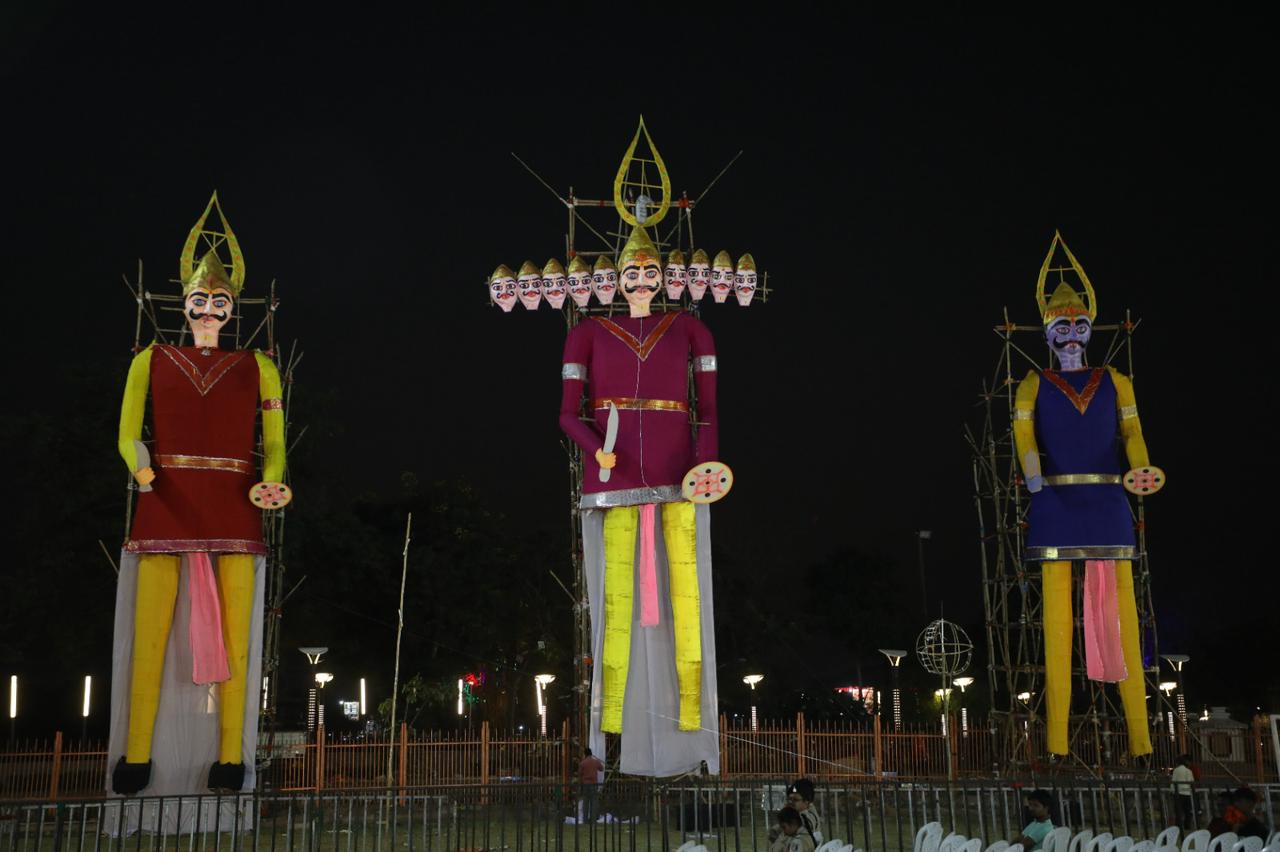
[{"x": 1071, "y": 442}]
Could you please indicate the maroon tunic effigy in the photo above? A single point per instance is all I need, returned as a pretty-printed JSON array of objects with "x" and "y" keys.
[
  {"x": 641, "y": 364},
  {"x": 203, "y": 413}
]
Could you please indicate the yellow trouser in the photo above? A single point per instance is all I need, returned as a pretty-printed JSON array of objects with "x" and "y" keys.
[
  {"x": 153, "y": 618},
  {"x": 1058, "y": 628},
  {"x": 680, "y": 536}
]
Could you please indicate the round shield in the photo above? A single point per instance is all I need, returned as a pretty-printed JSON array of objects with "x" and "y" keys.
[
  {"x": 270, "y": 495},
  {"x": 707, "y": 482},
  {"x": 1144, "y": 481}
]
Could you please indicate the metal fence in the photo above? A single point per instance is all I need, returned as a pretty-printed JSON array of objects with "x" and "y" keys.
[
  {"x": 831, "y": 751},
  {"x": 633, "y": 815}
]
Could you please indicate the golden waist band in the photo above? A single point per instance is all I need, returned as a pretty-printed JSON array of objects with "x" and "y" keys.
[
  {"x": 204, "y": 463},
  {"x": 628, "y": 403},
  {"x": 1083, "y": 479}
]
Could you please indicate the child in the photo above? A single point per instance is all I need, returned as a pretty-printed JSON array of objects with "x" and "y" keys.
[
  {"x": 1032, "y": 837},
  {"x": 794, "y": 837}
]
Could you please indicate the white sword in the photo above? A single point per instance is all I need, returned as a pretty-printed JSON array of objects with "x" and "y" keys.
[{"x": 610, "y": 438}]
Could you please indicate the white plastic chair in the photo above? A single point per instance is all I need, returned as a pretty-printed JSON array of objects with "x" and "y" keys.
[
  {"x": 1224, "y": 842},
  {"x": 1145, "y": 846},
  {"x": 1248, "y": 844},
  {"x": 848, "y": 847},
  {"x": 687, "y": 846},
  {"x": 1058, "y": 840},
  {"x": 973, "y": 844},
  {"x": 1195, "y": 841},
  {"x": 1081, "y": 840},
  {"x": 998, "y": 846},
  {"x": 1167, "y": 838},
  {"x": 952, "y": 842},
  {"x": 1123, "y": 843},
  {"x": 928, "y": 837},
  {"x": 1101, "y": 842},
  {"x": 829, "y": 846}
]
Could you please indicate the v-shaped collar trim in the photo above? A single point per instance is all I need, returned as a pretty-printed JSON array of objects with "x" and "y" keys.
[
  {"x": 1079, "y": 400},
  {"x": 641, "y": 348},
  {"x": 203, "y": 382}
]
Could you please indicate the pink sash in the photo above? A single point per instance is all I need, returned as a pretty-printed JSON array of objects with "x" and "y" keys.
[
  {"x": 1104, "y": 657},
  {"x": 648, "y": 569},
  {"x": 208, "y": 653}
]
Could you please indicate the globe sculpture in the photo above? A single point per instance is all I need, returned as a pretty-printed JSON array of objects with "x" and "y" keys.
[{"x": 944, "y": 649}]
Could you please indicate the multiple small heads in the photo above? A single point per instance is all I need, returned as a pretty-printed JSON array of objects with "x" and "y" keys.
[{"x": 642, "y": 272}]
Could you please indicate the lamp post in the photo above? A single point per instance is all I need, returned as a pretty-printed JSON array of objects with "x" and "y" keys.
[
  {"x": 963, "y": 682},
  {"x": 322, "y": 678},
  {"x": 751, "y": 680},
  {"x": 313, "y": 654},
  {"x": 84, "y": 708},
  {"x": 1167, "y": 687},
  {"x": 539, "y": 687},
  {"x": 1178, "y": 661},
  {"x": 13, "y": 705},
  {"x": 895, "y": 657}
]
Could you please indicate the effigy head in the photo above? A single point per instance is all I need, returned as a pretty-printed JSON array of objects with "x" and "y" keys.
[
  {"x": 1067, "y": 327},
  {"x": 641, "y": 269},
  {"x": 744, "y": 280},
  {"x": 502, "y": 288},
  {"x": 721, "y": 277},
  {"x": 553, "y": 284},
  {"x": 699, "y": 275},
  {"x": 604, "y": 280},
  {"x": 579, "y": 281},
  {"x": 676, "y": 275},
  {"x": 529, "y": 285},
  {"x": 208, "y": 295}
]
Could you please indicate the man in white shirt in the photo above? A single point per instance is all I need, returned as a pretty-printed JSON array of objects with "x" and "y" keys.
[{"x": 1182, "y": 779}]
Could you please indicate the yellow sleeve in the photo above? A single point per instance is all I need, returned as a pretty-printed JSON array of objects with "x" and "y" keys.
[
  {"x": 134, "y": 407},
  {"x": 269, "y": 390},
  {"x": 1135, "y": 448},
  {"x": 1024, "y": 424}
]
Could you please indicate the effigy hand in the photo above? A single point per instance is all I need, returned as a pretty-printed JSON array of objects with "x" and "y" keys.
[
  {"x": 270, "y": 495},
  {"x": 144, "y": 476},
  {"x": 1031, "y": 471},
  {"x": 1144, "y": 481},
  {"x": 606, "y": 460}
]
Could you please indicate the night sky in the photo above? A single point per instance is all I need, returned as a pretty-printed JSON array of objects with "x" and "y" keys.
[{"x": 899, "y": 184}]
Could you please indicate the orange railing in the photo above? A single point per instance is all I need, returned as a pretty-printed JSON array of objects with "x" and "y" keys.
[{"x": 831, "y": 751}]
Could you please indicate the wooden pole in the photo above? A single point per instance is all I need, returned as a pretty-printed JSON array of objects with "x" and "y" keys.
[
  {"x": 877, "y": 751},
  {"x": 395, "y": 680},
  {"x": 319, "y": 757},
  {"x": 404, "y": 753},
  {"x": 57, "y": 766},
  {"x": 800, "y": 744}
]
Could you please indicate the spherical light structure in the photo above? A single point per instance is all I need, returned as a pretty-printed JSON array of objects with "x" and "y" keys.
[{"x": 944, "y": 649}]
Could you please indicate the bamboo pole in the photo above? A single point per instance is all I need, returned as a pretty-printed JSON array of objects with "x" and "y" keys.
[{"x": 395, "y": 680}]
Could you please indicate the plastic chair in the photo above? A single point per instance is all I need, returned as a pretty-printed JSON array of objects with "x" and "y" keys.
[
  {"x": 1058, "y": 840},
  {"x": 1195, "y": 841},
  {"x": 1167, "y": 838},
  {"x": 687, "y": 846},
  {"x": 1224, "y": 842},
  {"x": 1145, "y": 846},
  {"x": 973, "y": 844},
  {"x": 928, "y": 837},
  {"x": 1101, "y": 842},
  {"x": 1081, "y": 840},
  {"x": 1123, "y": 843},
  {"x": 952, "y": 842},
  {"x": 998, "y": 846},
  {"x": 1248, "y": 844},
  {"x": 829, "y": 846}
]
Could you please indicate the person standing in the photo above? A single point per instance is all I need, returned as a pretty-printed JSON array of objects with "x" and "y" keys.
[
  {"x": 1182, "y": 779},
  {"x": 590, "y": 778}
]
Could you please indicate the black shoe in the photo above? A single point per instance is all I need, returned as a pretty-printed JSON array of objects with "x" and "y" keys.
[
  {"x": 226, "y": 777},
  {"x": 129, "y": 778}
]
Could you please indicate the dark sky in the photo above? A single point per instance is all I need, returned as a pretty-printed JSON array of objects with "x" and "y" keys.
[{"x": 900, "y": 184}]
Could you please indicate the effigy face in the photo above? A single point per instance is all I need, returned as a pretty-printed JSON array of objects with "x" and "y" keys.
[
  {"x": 699, "y": 279},
  {"x": 677, "y": 278},
  {"x": 502, "y": 288},
  {"x": 1068, "y": 337},
  {"x": 208, "y": 309},
  {"x": 744, "y": 280},
  {"x": 641, "y": 282},
  {"x": 529, "y": 287},
  {"x": 580, "y": 287},
  {"x": 604, "y": 283},
  {"x": 553, "y": 284},
  {"x": 721, "y": 277}
]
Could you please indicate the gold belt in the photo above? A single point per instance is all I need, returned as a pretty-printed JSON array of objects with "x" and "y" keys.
[
  {"x": 628, "y": 403},
  {"x": 204, "y": 463},
  {"x": 1083, "y": 479}
]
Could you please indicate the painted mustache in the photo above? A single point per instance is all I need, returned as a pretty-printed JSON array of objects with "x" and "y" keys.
[
  {"x": 638, "y": 287},
  {"x": 196, "y": 316},
  {"x": 1063, "y": 344}
]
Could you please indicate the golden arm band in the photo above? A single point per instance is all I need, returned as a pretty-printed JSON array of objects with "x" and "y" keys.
[
  {"x": 134, "y": 407},
  {"x": 1127, "y": 411},
  {"x": 1024, "y": 428},
  {"x": 620, "y": 526},
  {"x": 1020, "y": 414},
  {"x": 680, "y": 534},
  {"x": 269, "y": 388},
  {"x": 1135, "y": 447}
]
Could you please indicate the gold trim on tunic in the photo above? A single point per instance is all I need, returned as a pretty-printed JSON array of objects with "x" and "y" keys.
[
  {"x": 1083, "y": 479},
  {"x": 628, "y": 403},
  {"x": 1101, "y": 551},
  {"x": 204, "y": 463}
]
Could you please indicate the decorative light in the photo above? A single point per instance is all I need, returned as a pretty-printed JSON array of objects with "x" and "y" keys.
[
  {"x": 363, "y": 706},
  {"x": 88, "y": 687}
]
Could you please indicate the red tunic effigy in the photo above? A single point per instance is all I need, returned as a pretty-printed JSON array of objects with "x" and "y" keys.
[{"x": 203, "y": 411}]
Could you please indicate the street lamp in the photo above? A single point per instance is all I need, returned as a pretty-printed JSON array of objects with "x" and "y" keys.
[
  {"x": 84, "y": 709},
  {"x": 1167, "y": 687},
  {"x": 1178, "y": 661},
  {"x": 313, "y": 654},
  {"x": 539, "y": 685},
  {"x": 896, "y": 657},
  {"x": 322, "y": 678},
  {"x": 963, "y": 682},
  {"x": 751, "y": 680}
]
